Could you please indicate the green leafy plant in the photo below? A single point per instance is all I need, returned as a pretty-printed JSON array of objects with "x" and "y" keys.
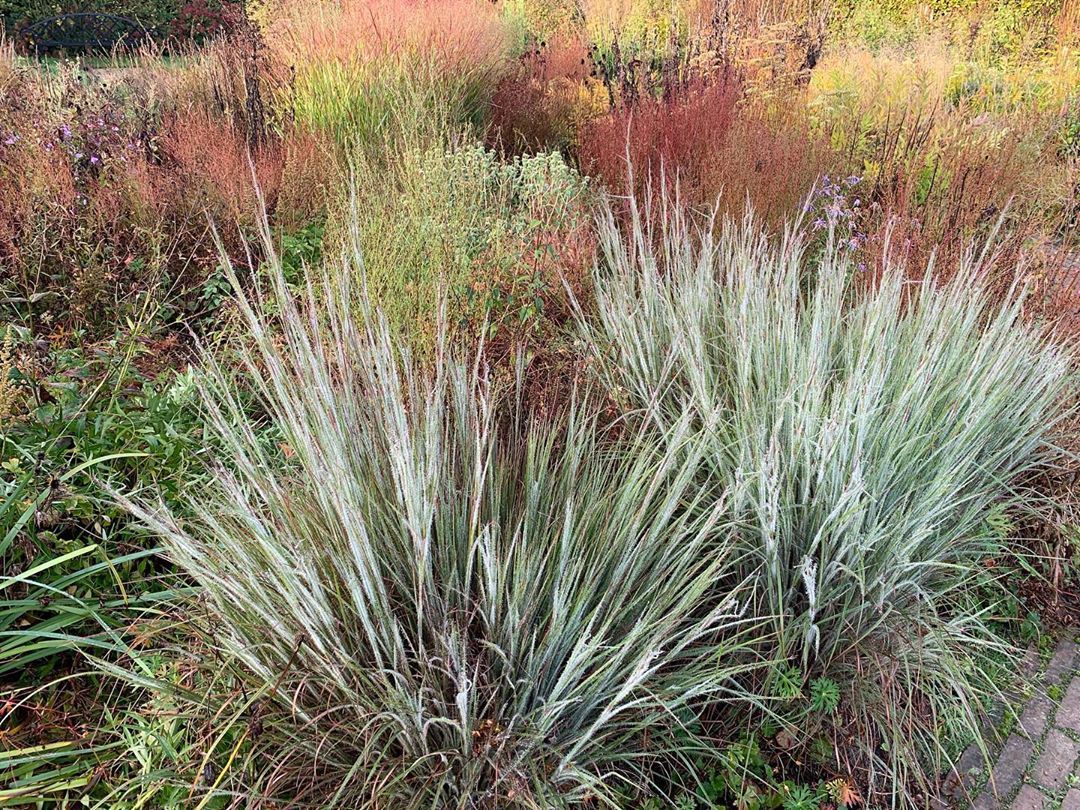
[
  {"x": 65, "y": 565},
  {"x": 300, "y": 250},
  {"x": 824, "y": 695},
  {"x": 787, "y": 682},
  {"x": 1068, "y": 136},
  {"x": 41, "y": 605},
  {"x": 75, "y": 579},
  {"x": 801, "y": 797},
  {"x": 215, "y": 291}
]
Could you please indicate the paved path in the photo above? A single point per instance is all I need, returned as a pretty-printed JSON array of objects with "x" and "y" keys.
[{"x": 1038, "y": 768}]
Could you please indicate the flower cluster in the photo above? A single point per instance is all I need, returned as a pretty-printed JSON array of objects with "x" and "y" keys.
[
  {"x": 90, "y": 142},
  {"x": 838, "y": 210}
]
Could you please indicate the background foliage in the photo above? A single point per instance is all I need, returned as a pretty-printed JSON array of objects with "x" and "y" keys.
[{"x": 451, "y": 157}]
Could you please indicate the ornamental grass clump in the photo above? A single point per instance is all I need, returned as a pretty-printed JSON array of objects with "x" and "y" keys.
[
  {"x": 494, "y": 239},
  {"x": 862, "y": 432},
  {"x": 367, "y": 70},
  {"x": 423, "y": 601}
]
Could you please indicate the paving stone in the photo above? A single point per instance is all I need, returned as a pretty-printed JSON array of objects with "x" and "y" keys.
[
  {"x": 1027, "y": 671},
  {"x": 1010, "y": 766},
  {"x": 987, "y": 801},
  {"x": 1036, "y": 714},
  {"x": 1028, "y": 799},
  {"x": 995, "y": 715},
  {"x": 1060, "y": 751},
  {"x": 1029, "y": 664},
  {"x": 1057, "y": 760},
  {"x": 965, "y": 774},
  {"x": 1068, "y": 714},
  {"x": 1062, "y": 661}
]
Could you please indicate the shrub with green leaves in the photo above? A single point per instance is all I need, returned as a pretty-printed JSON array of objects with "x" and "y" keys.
[
  {"x": 433, "y": 606},
  {"x": 493, "y": 238},
  {"x": 996, "y": 31},
  {"x": 860, "y": 430}
]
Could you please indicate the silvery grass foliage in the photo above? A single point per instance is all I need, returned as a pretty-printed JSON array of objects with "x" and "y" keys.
[
  {"x": 860, "y": 433},
  {"x": 428, "y": 603}
]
